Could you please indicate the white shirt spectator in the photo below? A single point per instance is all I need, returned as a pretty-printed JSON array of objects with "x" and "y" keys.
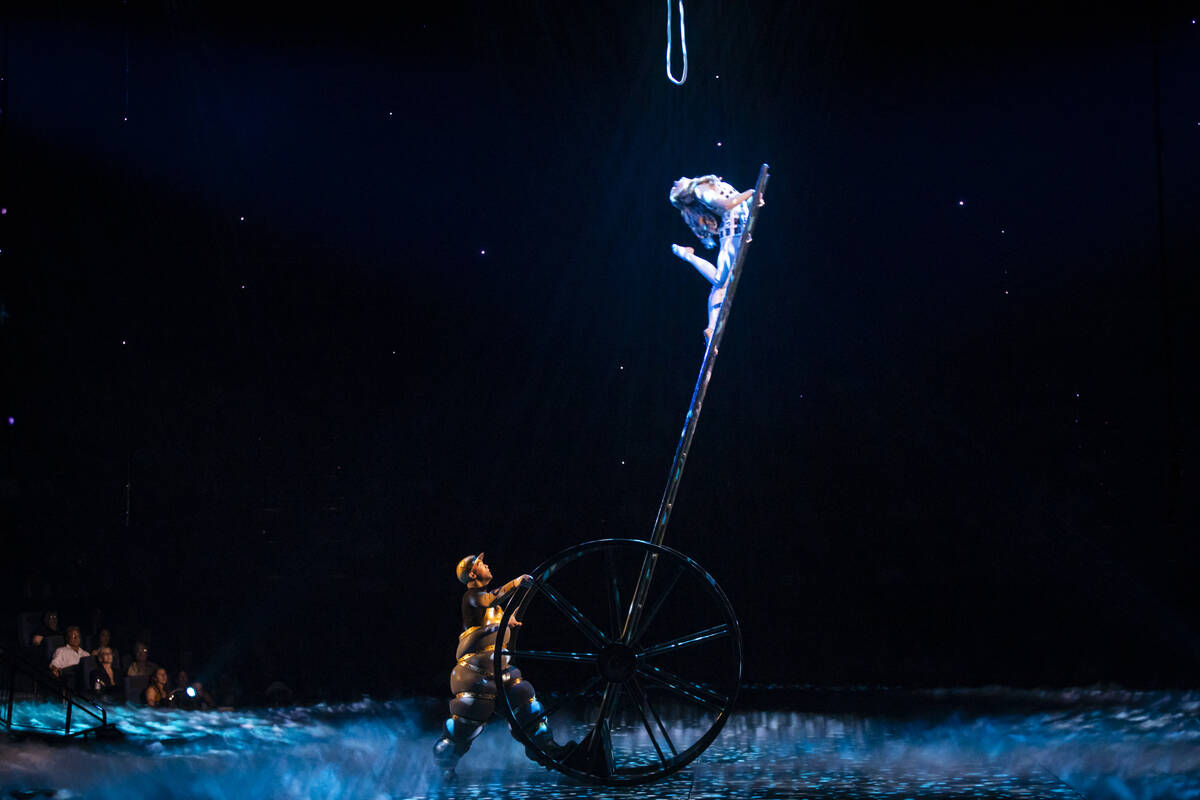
[{"x": 67, "y": 656}]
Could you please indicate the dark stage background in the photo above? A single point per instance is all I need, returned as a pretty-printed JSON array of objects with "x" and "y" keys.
[{"x": 300, "y": 307}]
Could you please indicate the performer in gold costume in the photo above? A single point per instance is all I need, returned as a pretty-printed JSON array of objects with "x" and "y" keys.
[{"x": 472, "y": 680}]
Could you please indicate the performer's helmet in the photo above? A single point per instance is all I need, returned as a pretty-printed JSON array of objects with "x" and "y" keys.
[{"x": 463, "y": 570}]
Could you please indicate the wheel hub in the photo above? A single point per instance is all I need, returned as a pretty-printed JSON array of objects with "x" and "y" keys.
[{"x": 617, "y": 663}]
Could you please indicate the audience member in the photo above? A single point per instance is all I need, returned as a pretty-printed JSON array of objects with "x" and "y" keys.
[
  {"x": 103, "y": 679},
  {"x": 49, "y": 627},
  {"x": 156, "y": 693},
  {"x": 184, "y": 693},
  {"x": 203, "y": 700},
  {"x": 102, "y": 670},
  {"x": 142, "y": 666},
  {"x": 103, "y": 640},
  {"x": 70, "y": 654}
]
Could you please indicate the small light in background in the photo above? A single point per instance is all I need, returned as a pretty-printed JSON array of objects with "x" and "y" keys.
[{"x": 12, "y": 421}]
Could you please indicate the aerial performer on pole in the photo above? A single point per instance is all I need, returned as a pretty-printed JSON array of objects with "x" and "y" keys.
[{"x": 711, "y": 207}]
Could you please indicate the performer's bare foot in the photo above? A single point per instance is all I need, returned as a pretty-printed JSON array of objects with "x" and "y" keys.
[{"x": 683, "y": 252}]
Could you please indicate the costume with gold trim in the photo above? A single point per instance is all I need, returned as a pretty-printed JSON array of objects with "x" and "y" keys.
[{"x": 473, "y": 683}]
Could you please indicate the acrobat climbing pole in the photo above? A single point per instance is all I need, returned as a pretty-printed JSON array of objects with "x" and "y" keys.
[{"x": 693, "y": 414}]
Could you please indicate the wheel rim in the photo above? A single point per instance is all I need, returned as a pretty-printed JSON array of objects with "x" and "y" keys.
[{"x": 641, "y": 698}]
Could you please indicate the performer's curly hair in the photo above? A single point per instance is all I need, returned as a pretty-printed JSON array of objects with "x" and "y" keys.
[{"x": 703, "y": 222}]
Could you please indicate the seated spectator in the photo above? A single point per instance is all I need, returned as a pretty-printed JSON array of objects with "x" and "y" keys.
[
  {"x": 183, "y": 693},
  {"x": 156, "y": 693},
  {"x": 203, "y": 700},
  {"x": 70, "y": 654},
  {"x": 103, "y": 640},
  {"x": 142, "y": 666},
  {"x": 49, "y": 627},
  {"x": 103, "y": 679}
]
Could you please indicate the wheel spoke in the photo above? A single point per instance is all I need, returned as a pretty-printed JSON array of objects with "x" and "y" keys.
[
  {"x": 616, "y": 622},
  {"x": 684, "y": 688},
  {"x": 552, "y": 655},
  {"x": 606, "y": 741},
  {"x": 644, "y": 625},
  {"x": 561, "y": 700},
  {"x": 715, "y": 632},
  {"x": 642, "y": 707},
  {"x": 657, "y": 719},
  {"x": 585, "y": 625},
  {"x": 600, "y": 734},
  {"x": 612, "y": 693}
]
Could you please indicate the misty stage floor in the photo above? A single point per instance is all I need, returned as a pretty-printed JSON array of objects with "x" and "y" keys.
[{"x": 995, "y": 743}]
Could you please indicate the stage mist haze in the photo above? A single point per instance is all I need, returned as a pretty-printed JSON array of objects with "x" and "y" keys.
[{"x": 1105, "y": 744}]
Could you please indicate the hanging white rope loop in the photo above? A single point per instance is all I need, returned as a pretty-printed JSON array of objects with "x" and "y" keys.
[{"x": 682, "y": 44}]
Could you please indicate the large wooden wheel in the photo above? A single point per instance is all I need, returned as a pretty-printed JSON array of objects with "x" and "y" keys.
[{"x": 635, "y": 684}]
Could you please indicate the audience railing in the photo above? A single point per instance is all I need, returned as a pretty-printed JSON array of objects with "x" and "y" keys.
[{"x": 95, "y": 718}]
